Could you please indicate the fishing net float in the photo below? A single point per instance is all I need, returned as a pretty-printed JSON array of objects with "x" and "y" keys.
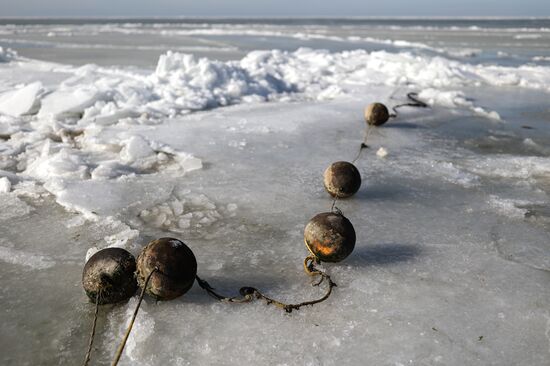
[
  {"x": 376, "y": 114},
  {"x": 342, "y": 179},
  {"x": 175, "y": 268},
  {"x": 108, "y": 278},
  {"x": 330, "y": 237}
]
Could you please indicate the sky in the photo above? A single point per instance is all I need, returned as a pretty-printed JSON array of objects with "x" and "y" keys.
[{"x": 278, "y": 8}]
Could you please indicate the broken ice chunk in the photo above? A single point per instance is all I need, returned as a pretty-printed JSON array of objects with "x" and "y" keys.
[
  {"x": 188, "y": 162},
  {"x": 382, "y": 152},
  {"x": 177, "y": 207},
  {"x": 5, "y": 185},
  {"x": 66, "y": 163},
  {"x": 68, "y": 102},
  {"x": 21, "y": 101},
  {"x": 136, "y": 147}
]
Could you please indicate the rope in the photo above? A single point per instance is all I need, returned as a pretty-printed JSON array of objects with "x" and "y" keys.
[
  {"x": 333, "y": 207},
  {"x": 413, "y": 96},
  {"x": 92, "y": 335},
  {"x": 311, "y": 270},
  {"x": 250, "y": 293},
  {"x": 127, "y": 334},
  {"x": 363, "y": 144},
  {"x": 210, "y": 290}
]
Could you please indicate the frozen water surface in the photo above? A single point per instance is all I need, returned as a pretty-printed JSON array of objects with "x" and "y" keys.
[{"x": 452, "y": 261}]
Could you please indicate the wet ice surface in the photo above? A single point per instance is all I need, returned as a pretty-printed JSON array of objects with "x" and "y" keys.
[
  {"x": 452, "y": 260},
  {"x": 437, "y": 265}
]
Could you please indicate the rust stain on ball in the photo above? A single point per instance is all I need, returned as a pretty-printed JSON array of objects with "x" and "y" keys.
[
  {"x": 376, "y": 114},
  {"x": 342, "y": 179},
  {"x": 330, "y": 237},
  {"x": 110, "y": 271},
  {"x": 177, "y": 268}
]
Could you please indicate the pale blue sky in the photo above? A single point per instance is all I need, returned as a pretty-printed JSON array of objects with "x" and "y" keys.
[{"x": 274, "y": 8}]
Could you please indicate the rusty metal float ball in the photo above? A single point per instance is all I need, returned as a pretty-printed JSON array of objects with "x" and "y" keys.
[
  {"x": 110, "y": 271},
  {"x": 177, "y": 268},
  {"x": 342, "y": 179},
  {"x": 376, "y": 114},
  {"x": 330, "y": 237}
]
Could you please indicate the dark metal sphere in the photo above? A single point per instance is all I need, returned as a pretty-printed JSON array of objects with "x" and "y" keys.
[
  {"x": 342, "y": 179},
  {"x": 330, "y": 237},
  {"x": 177, "y": 268},
  {"x": 110, "y": 270},
  {"x": 376, "y": 114}
]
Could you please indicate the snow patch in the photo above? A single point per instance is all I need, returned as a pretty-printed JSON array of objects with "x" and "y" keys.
[
  {"x": 382, "y": 152},
  {"x": 454, "y": 99}
]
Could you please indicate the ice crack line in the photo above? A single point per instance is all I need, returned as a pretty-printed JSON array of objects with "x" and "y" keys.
[{"x": 495, "y": 239}]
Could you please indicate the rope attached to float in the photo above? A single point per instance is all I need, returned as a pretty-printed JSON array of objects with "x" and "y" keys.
[
  {"x": 118, "y": 353},
  {"x": 92, "y": 335},
  {"x": 415, "y": 102},
  {"x": 250, "y": 293}
]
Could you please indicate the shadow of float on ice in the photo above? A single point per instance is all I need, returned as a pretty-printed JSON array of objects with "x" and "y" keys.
[
  {"x": 387, "y": 191},
  {"x": 406, "y": 125},
  {"x": 383, "y": 254},
  {"x": 230, "y": 285}
]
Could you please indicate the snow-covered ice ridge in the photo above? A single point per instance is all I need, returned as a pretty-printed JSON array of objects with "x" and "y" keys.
[{"x": 183, "y": 82}]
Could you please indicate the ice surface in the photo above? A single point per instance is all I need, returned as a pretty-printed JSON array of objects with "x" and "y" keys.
[
  {"x": 36, "y": 262},
  {"x": 12, "y": 206},
  {"x": 452, "y": 260}
]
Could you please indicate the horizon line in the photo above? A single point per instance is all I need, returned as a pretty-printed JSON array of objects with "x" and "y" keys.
[{"x": 278, "y": 17}]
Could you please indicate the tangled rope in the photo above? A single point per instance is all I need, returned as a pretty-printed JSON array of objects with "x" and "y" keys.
[
  {"x": 415, "y": 102},
  {"x": 248, "y": 293}
]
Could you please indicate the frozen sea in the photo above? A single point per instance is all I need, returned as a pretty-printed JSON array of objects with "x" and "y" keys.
[{"x": 217, "y": 131}]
